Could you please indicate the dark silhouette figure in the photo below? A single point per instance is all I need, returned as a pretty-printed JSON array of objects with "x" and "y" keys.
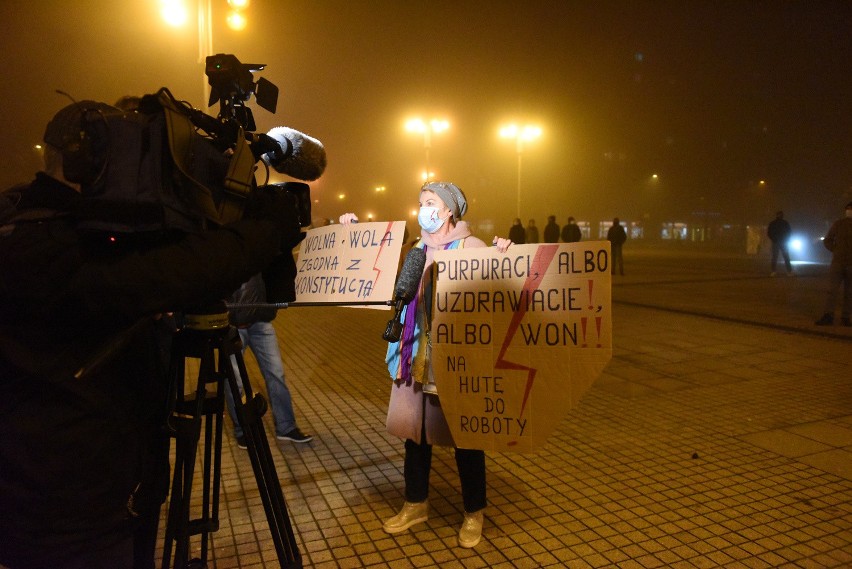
[
  {"x": 838, "y": 240},
  {"x": 532, "y": 232},
  {"x": 778, "y": 232},
  {"x": 617, "y": 236},
  {"x": 517, "y": 234},
  {"x": 571, "y": 231},
  {"x": 551, "y": 230}
]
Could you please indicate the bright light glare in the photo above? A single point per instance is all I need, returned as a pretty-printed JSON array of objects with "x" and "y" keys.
[
  {"x": 174, "y": 12},
  {"x": 419, "y": 125},
  {"x": 797, "y": 245},
  {"x": 527, "y": 132},
  {"x": 530, "y": 132},
  {"x": 509, "y": 131},
  {"x": 439, "y": 125},
  {"x": 236, "y": 21},
  {"x": 238, "y": 4},
  {"x": 415, "y": 125}
]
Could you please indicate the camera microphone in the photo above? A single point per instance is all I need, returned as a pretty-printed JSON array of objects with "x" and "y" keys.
[
  {"x": 300, "y": 156},
  {"x": 406, "y": 288}
]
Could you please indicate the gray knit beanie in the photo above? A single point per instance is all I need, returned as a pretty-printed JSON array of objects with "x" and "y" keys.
[{"x": 450, "y": 194}]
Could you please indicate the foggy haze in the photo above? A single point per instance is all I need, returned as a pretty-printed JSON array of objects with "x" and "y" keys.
[{"x": 713, "y": 97}]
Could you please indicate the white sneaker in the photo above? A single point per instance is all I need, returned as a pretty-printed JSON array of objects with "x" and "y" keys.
[
  {"x": 471, "y": 530},
  {"x": 410, "y": 514}
]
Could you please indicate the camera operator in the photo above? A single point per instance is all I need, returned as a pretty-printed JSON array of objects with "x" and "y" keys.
[{"x": 84, "y": 457}]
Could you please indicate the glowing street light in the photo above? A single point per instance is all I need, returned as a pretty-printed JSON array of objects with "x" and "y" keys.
[
  {"x": 521, "y": 134},
  {"x": 176, "y": 14},
  {"x": 427, "y": 129},
  {"x": 236, "y": 18}
]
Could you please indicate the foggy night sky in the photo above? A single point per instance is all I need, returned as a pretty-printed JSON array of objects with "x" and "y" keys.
[{"x": 711, "y": 96}]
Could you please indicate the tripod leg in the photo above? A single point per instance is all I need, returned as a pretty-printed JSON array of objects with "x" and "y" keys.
[
  {"x": 174, "y": 528},
  {"x": 249, "y": 414},
  {"x": 185, "y": 421}
]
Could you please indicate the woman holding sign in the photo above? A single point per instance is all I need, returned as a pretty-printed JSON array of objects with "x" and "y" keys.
[{"x": 415, "y": 414}]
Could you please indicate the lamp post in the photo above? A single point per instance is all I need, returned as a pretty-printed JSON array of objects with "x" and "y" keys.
[
  {"x": 175, "y": 13},
  {"x": 521, "y": 134},
  {"x": 434, "y": 126}
]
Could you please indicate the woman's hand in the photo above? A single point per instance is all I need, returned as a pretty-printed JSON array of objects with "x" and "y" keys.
[
  {"x": 348, "y": 218},
  {"x": 501, "y": 243}
]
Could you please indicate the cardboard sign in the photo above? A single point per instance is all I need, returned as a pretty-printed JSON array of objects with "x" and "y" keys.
[
  {"x": 518, "y": 338},
  {"x": 349, "y": 263}
]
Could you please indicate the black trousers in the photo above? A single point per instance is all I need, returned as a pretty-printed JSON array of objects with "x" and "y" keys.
[{"x": 471, "y": 465}]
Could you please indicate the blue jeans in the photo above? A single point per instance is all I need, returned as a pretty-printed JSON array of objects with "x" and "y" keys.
[{"x": 262, "y": 340}]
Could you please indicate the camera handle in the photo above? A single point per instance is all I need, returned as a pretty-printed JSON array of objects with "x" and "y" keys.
[{"x": 209, "y": 339}]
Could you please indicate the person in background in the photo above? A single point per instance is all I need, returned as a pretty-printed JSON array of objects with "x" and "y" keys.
[
  {"x": 551, "y": 230},
  {"x": 532, "y": 232},
  {"x": 517, "y": 233},
  {"x": 571, "y": 231},
  {"x": 778, "y": 232},
  {"x": 254, "y": 325},
  {"x": 414, "y": 414},
  {"x": 838, "y": 240},
  {"x": 616, "y": 235}
]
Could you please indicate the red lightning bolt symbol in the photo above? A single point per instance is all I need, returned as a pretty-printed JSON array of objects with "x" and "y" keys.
[
  {"x": 543, "y": 256},
  {"x": 379, "y": 254}
]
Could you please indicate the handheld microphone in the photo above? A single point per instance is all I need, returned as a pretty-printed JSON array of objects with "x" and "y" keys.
[
  {"x": 299, "y": 155},
  {"x": 406, "y": 287}
]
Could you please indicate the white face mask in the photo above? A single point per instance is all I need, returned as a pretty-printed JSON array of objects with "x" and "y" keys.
[{"x": 429, "y": 219}]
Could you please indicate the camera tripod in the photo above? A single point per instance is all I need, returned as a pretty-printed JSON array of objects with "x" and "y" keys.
[{"x": 209, "y": 338}]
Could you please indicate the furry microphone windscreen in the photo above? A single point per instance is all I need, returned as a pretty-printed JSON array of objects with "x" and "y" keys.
[
  {"x": 410, "y": 274},
  {"x": 306, "y": 160}
]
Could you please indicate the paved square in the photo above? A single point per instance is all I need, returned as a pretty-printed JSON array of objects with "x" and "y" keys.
[{"x": 719, "y": 436}]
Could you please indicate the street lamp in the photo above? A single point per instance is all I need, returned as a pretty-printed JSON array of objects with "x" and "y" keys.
[
  {"x": 521, "y": 134},
  {"x": 434, "y": 126},
  {"x": 176, "y": 14}
]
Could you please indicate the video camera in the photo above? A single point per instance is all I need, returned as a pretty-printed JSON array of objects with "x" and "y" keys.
[{"x": 167, "y": 166}]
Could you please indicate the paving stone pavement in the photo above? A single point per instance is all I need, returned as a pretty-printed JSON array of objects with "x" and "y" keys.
[{"x": 720, "y": 435}]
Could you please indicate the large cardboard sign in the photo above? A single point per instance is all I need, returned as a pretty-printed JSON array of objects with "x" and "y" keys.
[
  {"x": 518, "y": 338},
  {"x": 349, "y": 263}
]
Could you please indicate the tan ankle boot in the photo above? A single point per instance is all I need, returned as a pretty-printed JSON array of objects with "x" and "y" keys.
[
  {"x": 471, "y": 530},
  {"x": 410, "y": 514}
]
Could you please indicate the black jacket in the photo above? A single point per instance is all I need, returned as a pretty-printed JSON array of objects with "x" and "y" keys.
[
  {"x": 79, "y": 456},
  {"x": 551, "y": 232},
  {"x": 252, "y": 291},
  {"x": 571, "y": 233},
  {"x": 778, "y": 230},
  {"x": 517, "y": 234},
  {"x": 616, "y": 235}
]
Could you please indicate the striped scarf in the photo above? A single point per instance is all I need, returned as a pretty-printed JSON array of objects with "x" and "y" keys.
[{"x": 406, "y": 359}]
